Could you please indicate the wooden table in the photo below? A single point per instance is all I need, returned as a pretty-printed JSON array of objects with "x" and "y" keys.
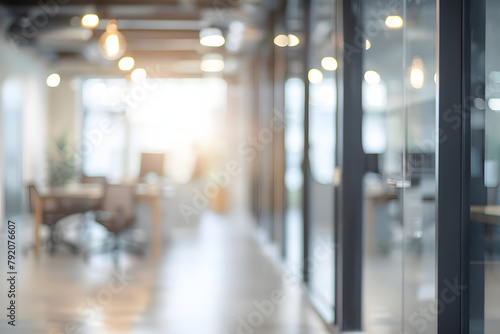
[
  {"x": 372, "y": 200},
  {"x": 153, "y": 195},
  {"x": 95, "y": 192},
  {"x": 489, "y": 214}
]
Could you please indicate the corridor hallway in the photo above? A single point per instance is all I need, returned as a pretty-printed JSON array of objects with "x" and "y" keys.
[
  {"x": 283, "y": 166},
  {"x": 217, "y": 276}
]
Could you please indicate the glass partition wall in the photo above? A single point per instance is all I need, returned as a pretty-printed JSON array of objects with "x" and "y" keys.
[
  {"x": 419, "y": 185},
  {"x": 399, "y": 117},
  {"x": 294, "y": 137},
  {"x": 12, "y": 106},
  {"x": 391, "y": 148},
  {"x": 322, "y": 106},
  {"x": 383, "y": 184},
  {"x": 484, "y": 236},
  {"x": 264, "y": 116}
]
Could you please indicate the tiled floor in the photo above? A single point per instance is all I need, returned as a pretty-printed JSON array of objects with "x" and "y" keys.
[{"x": 214, "y": 277}]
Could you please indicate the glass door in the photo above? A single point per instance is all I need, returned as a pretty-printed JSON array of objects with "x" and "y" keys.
[
  {"x": 265, "y": 116},
  {"x": 484, "y": 105},
  {"x": 384, "y": 145},
  {"x": 294, "y": 137},
  {"x": 12, "y": 99},
  {"x": 419, "y": 188},
  {"x": 321, "y": 156},
  {"x": 398, "y": 135}
]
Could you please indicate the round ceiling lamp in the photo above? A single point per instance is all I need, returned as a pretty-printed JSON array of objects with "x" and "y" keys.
[
  {"x": 90, "y": 21},
  {"x": 212, "y": 62},
  {"x": 211, "y": 37},
  {"x": 112, "y": 44}
]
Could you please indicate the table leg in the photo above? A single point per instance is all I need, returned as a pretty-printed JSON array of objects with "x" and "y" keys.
[
  {"x": 369, "y": 225},
  {"x": 38, "y": 222},
  {"x": 156, "y": 227}
]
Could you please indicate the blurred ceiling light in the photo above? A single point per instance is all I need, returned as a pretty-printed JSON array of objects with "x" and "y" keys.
[
  {"x": 293, "y": 40},
  {"x": 212, "y": 62},
  {"x": 211, "y": 37},
  {"x": 394, "y": 21},
  {"x": 329, "y": 63},
  {"x": 368, "y": 45},
  {"x": 90, "y": 21},
  {"x": 139, "y": 75},
  {"x": 126, "y": 63},
  {"x": 53, "y": 80},
  {"x": 416, "y": 73},
  {"x": 315, "y": 76},
  {"x": 435, "y": 77},
  {"x": 372, "y": 77},
  {"x": 417, "y": 62},
  {"x": 494, "y": 104},
  {"x": 281, "y": 40},
  {"x": 112, "y": 44},
  {"x": 417, "y": 77}
]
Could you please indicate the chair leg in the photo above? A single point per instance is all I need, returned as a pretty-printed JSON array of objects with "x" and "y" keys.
[
  {"x": 56, "y": 239},
  {"x": 135, "y": 249},
  {"x": 52, "y": 242},
  {"x": 110, "y": 245},
  {"x": 84, "y": 220},
  {"x": 74, "y": 248},
  {"x": 52, "y": 239},
  {"x": 114, "y": 245}
]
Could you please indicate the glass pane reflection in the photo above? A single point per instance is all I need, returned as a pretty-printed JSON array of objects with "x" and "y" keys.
[
  {"x": 294, "y": 180},
  {"x": 294, "y": 137},
  {"x": 322, "y": 141},
  {"x": 399, "y": 187},
  {"x": 484, "y": 233}
]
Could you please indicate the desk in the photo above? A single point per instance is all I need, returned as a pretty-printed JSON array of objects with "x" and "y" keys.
[
  {"x": 489, "y": 214},
  {"x": 373, "y": 198},
  {"x": 152, "y": 194},
  {"x": 95, "y": 192}
]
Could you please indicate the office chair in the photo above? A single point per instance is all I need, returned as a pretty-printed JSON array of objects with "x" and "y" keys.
[
  {"x": 88, "y": 216},
  {"x": 53, "y": 212},
  {"x": 117, "y": 215},
  {"x": 151, "y": 163}
]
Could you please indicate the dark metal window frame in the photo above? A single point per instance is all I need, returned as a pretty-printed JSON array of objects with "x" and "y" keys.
[
  {"x": 349, "y": 222},
  {"x": 452, "y": 166}
]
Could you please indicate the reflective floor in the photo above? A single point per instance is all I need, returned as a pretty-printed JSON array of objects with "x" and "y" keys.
[{"x": 214, "y": 276}]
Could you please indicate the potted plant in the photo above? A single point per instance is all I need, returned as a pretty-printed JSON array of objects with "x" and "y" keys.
[{"x": 62, "y": 162}]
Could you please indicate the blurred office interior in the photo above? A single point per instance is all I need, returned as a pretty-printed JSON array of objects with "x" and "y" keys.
[{"x": 250, "y": 166}]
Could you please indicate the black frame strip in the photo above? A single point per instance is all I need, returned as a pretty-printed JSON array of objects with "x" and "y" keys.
[
  {"x": 451, "y": 170},
  {"x": 349, "y": 227},
  {"x": 474, "y": 87},
  {"x": 305, "y": 164}
]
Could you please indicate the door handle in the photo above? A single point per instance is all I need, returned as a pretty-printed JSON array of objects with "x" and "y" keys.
[{"x": 398, "y": 183}]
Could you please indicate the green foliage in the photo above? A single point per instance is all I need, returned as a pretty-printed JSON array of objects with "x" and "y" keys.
[{"x": 62, "y": 162}]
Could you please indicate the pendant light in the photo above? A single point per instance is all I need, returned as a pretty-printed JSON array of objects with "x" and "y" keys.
[{"x": 112, "y": 44}]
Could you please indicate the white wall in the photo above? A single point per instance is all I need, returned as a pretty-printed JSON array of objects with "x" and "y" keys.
[
  {"x": 32, "y": 72},
  {"x": 239, "y": 120},
  {"x": 64, "y": 112}
]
